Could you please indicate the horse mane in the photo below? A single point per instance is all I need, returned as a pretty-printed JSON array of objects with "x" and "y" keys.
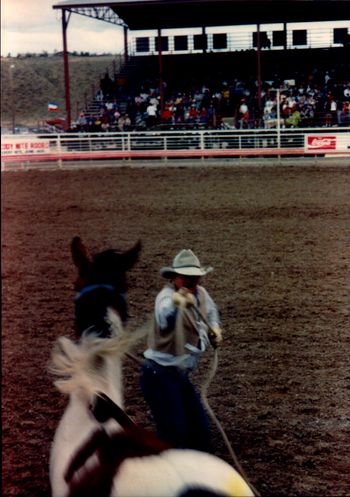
[{"x": 77, "y": 365}]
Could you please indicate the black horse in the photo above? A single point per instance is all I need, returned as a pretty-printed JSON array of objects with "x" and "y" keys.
[{"x": 101, "y": 284}]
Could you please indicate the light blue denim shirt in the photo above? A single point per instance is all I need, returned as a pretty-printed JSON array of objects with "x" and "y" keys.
[{"x": 165, "y": 313}]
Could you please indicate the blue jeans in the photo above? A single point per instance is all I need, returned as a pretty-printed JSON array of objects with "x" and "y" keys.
[{"x": 176, "y": 407}]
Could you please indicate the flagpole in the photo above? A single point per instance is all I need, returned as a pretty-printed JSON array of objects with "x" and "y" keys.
[
  {"x": 13, "y": 101},
  {"x": 65, "y": 22}
]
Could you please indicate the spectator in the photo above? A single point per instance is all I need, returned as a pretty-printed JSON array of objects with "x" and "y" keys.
[
  {"x": 167, "y": 115},
  {"x": 243, "y": 115},
  {"x": 82, "y": 122},
  {"x": 127, "y": 122},
  {"x": 121, "y": 123},
  {"x": 211, "y": 116},
  {"x": 225, "y": 97},
  {"x": 203, "y": 117},
  {"x": 192, "y": 114},
  {"x": 197, "y": 99},
  {"x": 99, "y": 96},
  {"x": 346, "y": 113},
  {"x": 106, "y": 86},
  {"x": 294, "y": 120},
  {"x": 151, "y": 112},
  {"x": 330, "y": 108},
  {"x": 346, "y": 91},
  {"x": 270, "y": 113}
]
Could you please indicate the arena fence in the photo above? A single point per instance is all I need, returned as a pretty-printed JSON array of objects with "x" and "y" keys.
[{"x": 22, "y": 150}]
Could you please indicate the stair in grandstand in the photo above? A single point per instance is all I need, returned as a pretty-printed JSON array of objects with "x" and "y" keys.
[{"x": 93, "y": 109}]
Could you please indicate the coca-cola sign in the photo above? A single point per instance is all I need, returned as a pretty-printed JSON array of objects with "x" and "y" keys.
[{"x": 321, "y": 142}]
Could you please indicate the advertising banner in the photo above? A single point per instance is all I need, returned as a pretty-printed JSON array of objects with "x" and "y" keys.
[
  {"x": 330, "y": 142},
  {"x": 24, "y": 146}
]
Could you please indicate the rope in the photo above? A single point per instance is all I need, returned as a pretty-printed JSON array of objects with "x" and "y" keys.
[
  {"x": 203, "y": 392},
  {"x": 204, "y": 397},
  {"x": 134, "y": 358}
]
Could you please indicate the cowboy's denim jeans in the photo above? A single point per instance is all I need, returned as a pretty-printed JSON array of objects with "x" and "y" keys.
[{"x": 175, "y": 406}]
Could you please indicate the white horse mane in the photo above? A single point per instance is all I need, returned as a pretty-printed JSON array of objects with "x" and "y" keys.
[
  {"x": 78, "y": 365},
  {"x": 91, "y": 365}
]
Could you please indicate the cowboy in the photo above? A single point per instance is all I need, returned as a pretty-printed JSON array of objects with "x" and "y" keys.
[{"x": 186, "y": 321}]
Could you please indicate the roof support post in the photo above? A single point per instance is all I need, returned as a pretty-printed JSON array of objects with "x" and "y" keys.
[
  {"x": 258, "y": 76},
  {"x": 126, "y": 49},
  {"x": 65, "y": 21},
  {"x": 204, "y": 38},
  {"x": 160, "y": 59}
]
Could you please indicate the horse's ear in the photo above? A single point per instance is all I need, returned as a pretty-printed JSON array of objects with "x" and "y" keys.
[
  {"x": 80, "y": 257},
  {"x": 131, "y": 256}
]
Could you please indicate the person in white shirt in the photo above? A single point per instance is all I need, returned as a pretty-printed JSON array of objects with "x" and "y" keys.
[
  {"x": 152, "y": 113},
  {"x": 186, "y": 321}
]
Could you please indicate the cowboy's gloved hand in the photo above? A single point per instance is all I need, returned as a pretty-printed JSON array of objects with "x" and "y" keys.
[
  {"x": 215, "y": 336},
  {"x": 184, "y": 298}
]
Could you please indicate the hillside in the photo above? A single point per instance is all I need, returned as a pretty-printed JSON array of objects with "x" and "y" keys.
[{"x": 38, "y": 80}]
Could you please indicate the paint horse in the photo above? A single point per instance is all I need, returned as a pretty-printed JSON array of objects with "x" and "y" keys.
[{"x": 98, "y": 450}]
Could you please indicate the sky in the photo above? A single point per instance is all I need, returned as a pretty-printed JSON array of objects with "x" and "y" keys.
[{"x": 34, "y": 26}]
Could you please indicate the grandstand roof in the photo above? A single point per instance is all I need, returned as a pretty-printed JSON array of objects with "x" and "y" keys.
[{"x": 154, "y": 14}]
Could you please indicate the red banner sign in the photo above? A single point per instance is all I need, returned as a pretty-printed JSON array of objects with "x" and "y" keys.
[{"x": 321, "y": 142}]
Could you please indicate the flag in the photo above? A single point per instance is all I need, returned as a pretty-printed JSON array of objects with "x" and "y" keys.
[{"x": 52, "y": 107}]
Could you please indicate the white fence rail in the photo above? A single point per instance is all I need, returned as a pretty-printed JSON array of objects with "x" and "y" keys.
[{"x": 22, "y": 149}]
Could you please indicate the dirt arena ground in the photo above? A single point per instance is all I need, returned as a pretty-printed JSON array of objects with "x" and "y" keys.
[{"x": 278, "y": 238}]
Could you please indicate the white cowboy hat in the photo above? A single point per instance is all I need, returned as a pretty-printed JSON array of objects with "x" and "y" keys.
[{"x": 185, "y": 263}]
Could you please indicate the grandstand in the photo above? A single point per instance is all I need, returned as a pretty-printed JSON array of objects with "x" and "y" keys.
[{"x": 178, "y": 46}]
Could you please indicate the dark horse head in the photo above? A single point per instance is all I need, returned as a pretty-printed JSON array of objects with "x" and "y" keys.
[{"x": 101, "y": 284}]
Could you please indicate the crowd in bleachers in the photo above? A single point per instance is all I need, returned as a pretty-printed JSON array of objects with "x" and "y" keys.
[{"x": 315, "y": 100}]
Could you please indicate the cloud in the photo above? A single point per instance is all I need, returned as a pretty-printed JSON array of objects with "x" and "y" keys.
[
  {"x": 79, "y": 40},
  {"x": 20, "y": 42},
  {"x": 102, "y": 40},
  {"x": 28, "y": 14},
  {"x": 34, "y": 26}
]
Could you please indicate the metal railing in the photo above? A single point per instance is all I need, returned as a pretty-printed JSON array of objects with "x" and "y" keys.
[
  {"x": 236, "y": 38},
  {"x": 330, "y": 142}
]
